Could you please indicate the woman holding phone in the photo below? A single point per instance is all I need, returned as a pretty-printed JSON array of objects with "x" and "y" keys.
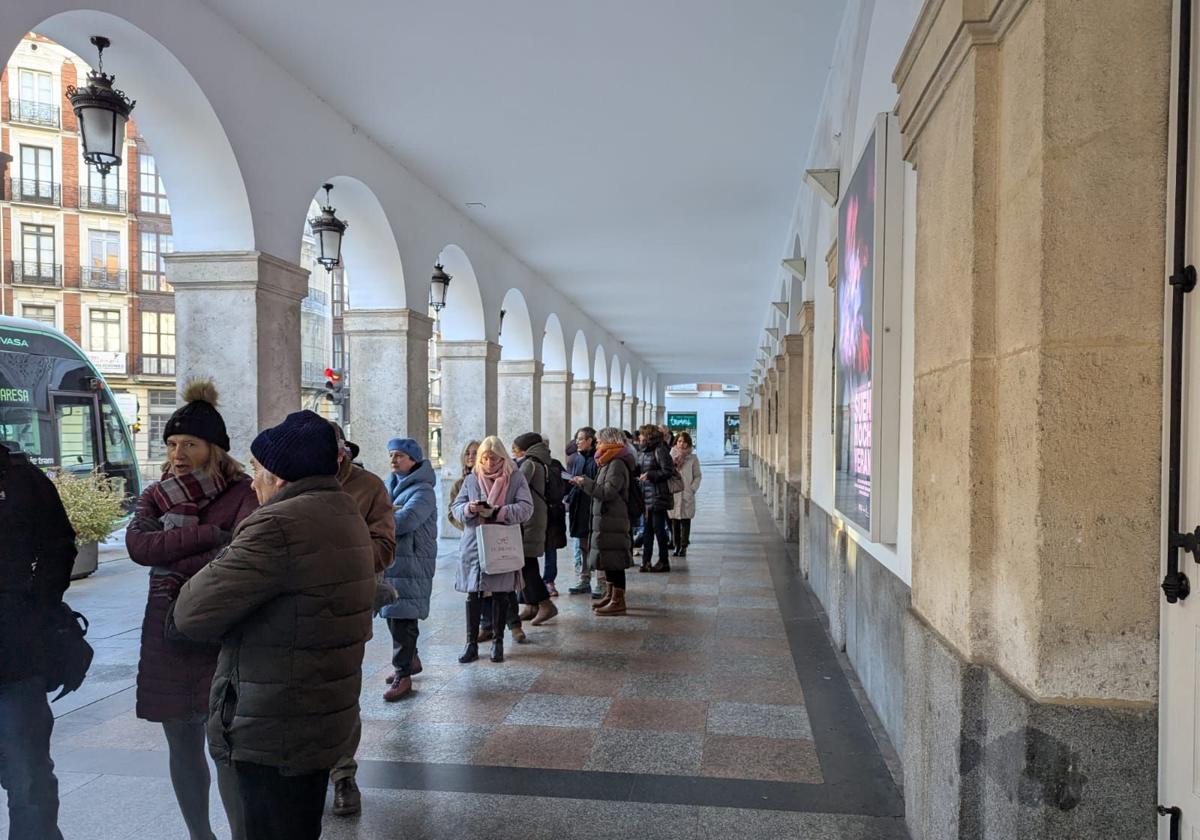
[{"x": 494, "y": 492}]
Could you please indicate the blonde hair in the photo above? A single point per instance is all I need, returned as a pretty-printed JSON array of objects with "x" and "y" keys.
[
  {"x": 466, "y": 451},
  {"x": 219, "y": 463},
  {"x": 493, "y": 444}
]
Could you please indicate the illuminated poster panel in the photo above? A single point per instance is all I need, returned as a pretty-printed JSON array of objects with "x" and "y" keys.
[{"x": 854, "y": 343}]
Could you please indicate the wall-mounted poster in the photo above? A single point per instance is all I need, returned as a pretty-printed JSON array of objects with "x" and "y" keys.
[{"x": 853, "y": 344}]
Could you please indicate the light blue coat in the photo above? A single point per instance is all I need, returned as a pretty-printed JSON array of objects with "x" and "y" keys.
[
  {"x": 517, "y": 508},
  {"x": 415, "y": 558}
]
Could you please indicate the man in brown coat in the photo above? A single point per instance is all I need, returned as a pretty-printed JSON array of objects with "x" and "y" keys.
[
  {"x": 290, "y": 600},
  {"x": 369, "y": 492}
]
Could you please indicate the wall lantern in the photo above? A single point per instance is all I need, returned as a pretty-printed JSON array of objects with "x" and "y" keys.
[
  {"x": 102, "y": 111},
  {"x": 328, "y": 230},
  {"x": 438, "y": 288}
]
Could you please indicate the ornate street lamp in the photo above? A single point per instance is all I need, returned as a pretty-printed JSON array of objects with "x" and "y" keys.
[
  {"x": 328, "y": 230},
  {"x": 438, "y": 288},
  {"x": 102, "y": 111}
]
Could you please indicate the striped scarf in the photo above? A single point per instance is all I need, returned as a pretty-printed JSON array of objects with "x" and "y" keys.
[{"x": 180, "y": 499}]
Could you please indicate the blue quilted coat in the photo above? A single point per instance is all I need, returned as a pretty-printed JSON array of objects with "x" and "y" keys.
[{"x": 415, "y": 560}]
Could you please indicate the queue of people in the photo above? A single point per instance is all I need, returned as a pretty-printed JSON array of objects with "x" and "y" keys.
[{"x": 262, "y": 587}]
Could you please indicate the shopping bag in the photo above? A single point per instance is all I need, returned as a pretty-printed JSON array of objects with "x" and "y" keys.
[{"x": 501, "y": 549}]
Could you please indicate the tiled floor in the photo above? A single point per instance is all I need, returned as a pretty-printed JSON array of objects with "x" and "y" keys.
[{"x": 686, "y": 718}]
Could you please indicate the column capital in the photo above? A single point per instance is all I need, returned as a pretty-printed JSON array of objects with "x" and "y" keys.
[
  {"x": 384, "y": 322},
  {"x": 488, "y": 350},
  {"x": 563, "y": 377},
  {"x": 582, "y": 385},
  {"x": 519, "y": 367},
  {"x": 792, "y": 346},
  {"x": 602, "y": 391},
  {"x": 231, "y": 270}
]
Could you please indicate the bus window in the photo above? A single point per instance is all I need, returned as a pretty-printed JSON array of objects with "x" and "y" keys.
[
  {"x": 19, "y": 425},
  {"x": 76, "y": 433}
]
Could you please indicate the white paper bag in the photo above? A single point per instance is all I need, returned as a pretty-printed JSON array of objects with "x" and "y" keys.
[{"x": 501, "y": 549}]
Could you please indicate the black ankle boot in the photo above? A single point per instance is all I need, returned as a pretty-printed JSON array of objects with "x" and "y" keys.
[
  {"x": 663, "y": 564},
  {"x": 470, "y": 653},
  {"x": 474, "y": 613},
  {"x": 499, "y": 614},
  {"x": 681, "y": 552},
  {"x": 498, "y": 650}
]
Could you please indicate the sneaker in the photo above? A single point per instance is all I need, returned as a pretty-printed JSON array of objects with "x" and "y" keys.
[
  {"x": 597, "y": 594},
  {"x": 580, "y": 589}
]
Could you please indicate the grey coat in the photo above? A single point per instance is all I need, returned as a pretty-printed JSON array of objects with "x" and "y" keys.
[
  {"x": 611, "y": 547},
  {"x": 685, "y": 502},
  {"x": 415, "y": 558},
  {"x": 533, "y": 467},
  {"x": 517, "y": 508}
]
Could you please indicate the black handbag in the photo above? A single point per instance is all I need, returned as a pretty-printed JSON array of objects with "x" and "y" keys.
[{"x": 67, "y": 654}]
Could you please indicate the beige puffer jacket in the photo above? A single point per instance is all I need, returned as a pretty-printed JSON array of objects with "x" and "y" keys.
[{"x": 290, "y": 600}]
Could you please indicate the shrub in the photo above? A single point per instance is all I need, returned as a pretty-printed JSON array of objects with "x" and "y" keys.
[{"x": 93, "y": 503}]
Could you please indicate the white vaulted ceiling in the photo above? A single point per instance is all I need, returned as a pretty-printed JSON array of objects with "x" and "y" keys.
[{"x": 643, "y": 157}]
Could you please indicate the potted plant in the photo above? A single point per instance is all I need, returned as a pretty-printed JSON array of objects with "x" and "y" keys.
[{"x": 93, "y": 504}]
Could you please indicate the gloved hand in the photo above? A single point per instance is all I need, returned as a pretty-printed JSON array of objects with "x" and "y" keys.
[{"x": 146, "y": 523}]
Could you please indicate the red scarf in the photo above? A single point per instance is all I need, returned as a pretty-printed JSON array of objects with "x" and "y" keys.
[{"x": 605, "y": 452}]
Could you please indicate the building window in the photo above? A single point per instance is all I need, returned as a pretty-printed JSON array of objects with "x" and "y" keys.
[
  {"x": 340, "y": 298},
  {"x": 35, "y": 102},
  {"x": 42, "y": 314},
  {"x": 162, "y": 406},
  {"x": 158, "y": 343},
  {"x": 36, "y": 183},
  {"x": 103, "y": 270},
  {"x": 104, "y": 330},
  {"x": 37, "y": 250},
  {"x": 154, "y": 268},
  {"x": 153, "y": 195},
  {"x": 339, "y": 351}
]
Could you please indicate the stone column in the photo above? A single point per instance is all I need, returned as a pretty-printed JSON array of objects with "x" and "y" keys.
[
  {"x": 237, "y": 316},
  {"x": 1031, "y": 656},
  {"x": 469, "y": 397},
  {"x": 630, "y": 411},
  {"x": 600, "y": 397},
  {"x": 616, "y": 409},
  {"x": 660, "y": 415},
  {"x": 581, "y": 403},
  {"x": 389, "y": 380},
  {"x": 556, "y": 411},
  {"x": 518, "y": 399},
  {"x": 744, "y": 437},
  {"x": 794, "y": 422}
]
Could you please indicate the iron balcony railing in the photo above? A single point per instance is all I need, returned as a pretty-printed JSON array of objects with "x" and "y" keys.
[
  {"x": 313, "y": 375},
  {"x": 35, "y": 192},
  {"x": 317, "y": 300},
  {"x": 36, "y": 274},
  {"x": 102, "y": 198},
  {"x": 34, "y": 113},
  {"x": 105, "y": 279}
]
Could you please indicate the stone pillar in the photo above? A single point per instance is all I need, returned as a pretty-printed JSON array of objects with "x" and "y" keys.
[
  {"x": 1031, "y": 656},
  {"x": 581, "y": 403},
  {"x": 469, "y": 398},
  {"x": 660, "y": 415},
  {"x": 616, "y": 409},
  {"x": 237, "y": 316},
  {"x": 630, "y": 412},
  {"x": 744, "y": 436},
  {"x": 556, "y": 411},
  {"x": 389, "y": 380},
  {"x": 518, "y": 399},
  {"x": 600, "y": 397}
]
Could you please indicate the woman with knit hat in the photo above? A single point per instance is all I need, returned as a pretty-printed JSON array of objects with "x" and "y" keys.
[
  {"x": 494, "y": 493},
  {"x": 179, "y": 525}
]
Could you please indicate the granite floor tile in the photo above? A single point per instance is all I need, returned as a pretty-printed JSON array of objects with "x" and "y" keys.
[
  {"x": 445, "y": 743},
  {"x": 722, "y": 823},
  {"x": 478, "y": 707},
  {"x": 590, "y": 682},
  {"x": 742, "y": 601},
  {"x": 505, "y": 676},
  {"x": 777, "y": 667},
  {"x": 560, "y": 710},
  {"x": 677, "y": 662},
  {"x": 759, "y": 719},
  {"x": 657, "y": 714},
  {"x": 667, "y": 686},
  {"x": 766, "y": 759},
  {"x": 630, "y": 751},
  {"x": 740, "y": 689},
  {"x": 551, "y": 747}
]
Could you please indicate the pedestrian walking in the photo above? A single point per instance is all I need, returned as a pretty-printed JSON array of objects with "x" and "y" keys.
[
  {"x": 35, "y": 570},
  {"x": 654, "y": 471},
  {"x": 375, "y": 505},
  {"x": 611, "y": 545},
  {"x": 579, "y": 508},
  {"x": 179, "y": 524},
  {"x": 683, "y": 456},
  {"x": 414, "y": 501},
  {"x": 494, "y": 492},
  {"x": 290, "y": 601},
  {"x": 533, "y": 460}
]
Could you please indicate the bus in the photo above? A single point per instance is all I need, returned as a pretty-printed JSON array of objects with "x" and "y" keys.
[{"x": 57, "y": 409}]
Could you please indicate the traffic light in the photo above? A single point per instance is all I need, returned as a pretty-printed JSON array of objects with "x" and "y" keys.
[{"x": 335, "y": 386}]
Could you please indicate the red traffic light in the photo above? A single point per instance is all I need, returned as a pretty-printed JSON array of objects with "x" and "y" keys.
[{"x": 333, "y": 375}]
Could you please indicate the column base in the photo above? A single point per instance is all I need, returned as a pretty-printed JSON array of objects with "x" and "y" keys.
[
  {"x": 743, "y": 458},
  {"x": 982, "y": 760}
]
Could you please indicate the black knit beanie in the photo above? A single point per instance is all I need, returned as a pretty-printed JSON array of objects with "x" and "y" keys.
[
  {"x": 527, "y": 441},
  {"x": 303, "y": 445},
  {"x": 198, "y": 416}
]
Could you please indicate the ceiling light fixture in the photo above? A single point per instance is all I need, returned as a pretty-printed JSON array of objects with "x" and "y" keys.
[
  {"x": 102, "y": 111},
  {"x": 328, "y": 230}
]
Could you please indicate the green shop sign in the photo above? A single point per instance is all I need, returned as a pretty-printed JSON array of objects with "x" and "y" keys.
[{"x": 681, "y": 422}]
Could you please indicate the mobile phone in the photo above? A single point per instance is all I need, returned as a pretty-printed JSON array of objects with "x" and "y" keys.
[{"x": 566, "y": 476}]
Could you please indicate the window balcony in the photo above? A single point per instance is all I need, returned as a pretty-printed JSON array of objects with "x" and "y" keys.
[
  {"x": 317, "y": 301},
  {"x": 312, "y": 375},
  {"x": 35, "y": 192},
  {"x": 36, "y": 274},
  {"x": 102, "y": 198},
  {"x": 34, "y": 113},
  {"x": 102, "y": 279}
]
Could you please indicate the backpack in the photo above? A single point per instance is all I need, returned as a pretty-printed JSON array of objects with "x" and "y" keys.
[
  {"x": 556, "y": 487},
  {"x": 635, "y": 499},
  {"x": 556, "y": 513}
]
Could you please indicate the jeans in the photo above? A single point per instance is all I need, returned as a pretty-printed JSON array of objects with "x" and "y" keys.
[
  {"x": 279, "y": 807},
  {"x": 404, "y": 644},
  {"x": 551, "y": 572},
  {"x": 187, "y": 752},
  {"x": 582, "y": 570},
  {"x": 535, "y": 588},
  {"x": 656, "y": 520},
  {"x": 26, "y": 771}
]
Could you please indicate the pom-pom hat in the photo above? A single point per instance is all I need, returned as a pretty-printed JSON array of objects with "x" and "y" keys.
[{"x": 198, "y": 416}]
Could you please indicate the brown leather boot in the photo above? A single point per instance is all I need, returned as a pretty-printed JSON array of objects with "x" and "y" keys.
[
  {"x": 528, "y": 612},
  {"x": 605, "y": 600},
  {"x": 545, "y": 611},
  {"x": 616, "y": 606}
]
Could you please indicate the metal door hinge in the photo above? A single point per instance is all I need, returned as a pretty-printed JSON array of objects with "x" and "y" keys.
[{"x": 1176, "y": 815}]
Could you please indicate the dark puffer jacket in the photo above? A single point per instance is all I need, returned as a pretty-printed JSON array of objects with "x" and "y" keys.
[
  {"x": 534, "y": 467},
  {"x": 611, "y": 547},
  {"x": 579, "y": 504},
  {"x": 290, "y": 599},
  {"x": 174, "y": 677},
  {"x": 35, "y": 563},
  {"x": 654, "y": 461}
]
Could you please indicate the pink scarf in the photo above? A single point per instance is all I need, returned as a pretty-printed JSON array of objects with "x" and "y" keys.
[
  {"x": 678, "y": 453},
  {"x": 494, "y": 484}
]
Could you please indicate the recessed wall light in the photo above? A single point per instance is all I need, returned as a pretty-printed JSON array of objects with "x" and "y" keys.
[{"x": 476, "y": 204}]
